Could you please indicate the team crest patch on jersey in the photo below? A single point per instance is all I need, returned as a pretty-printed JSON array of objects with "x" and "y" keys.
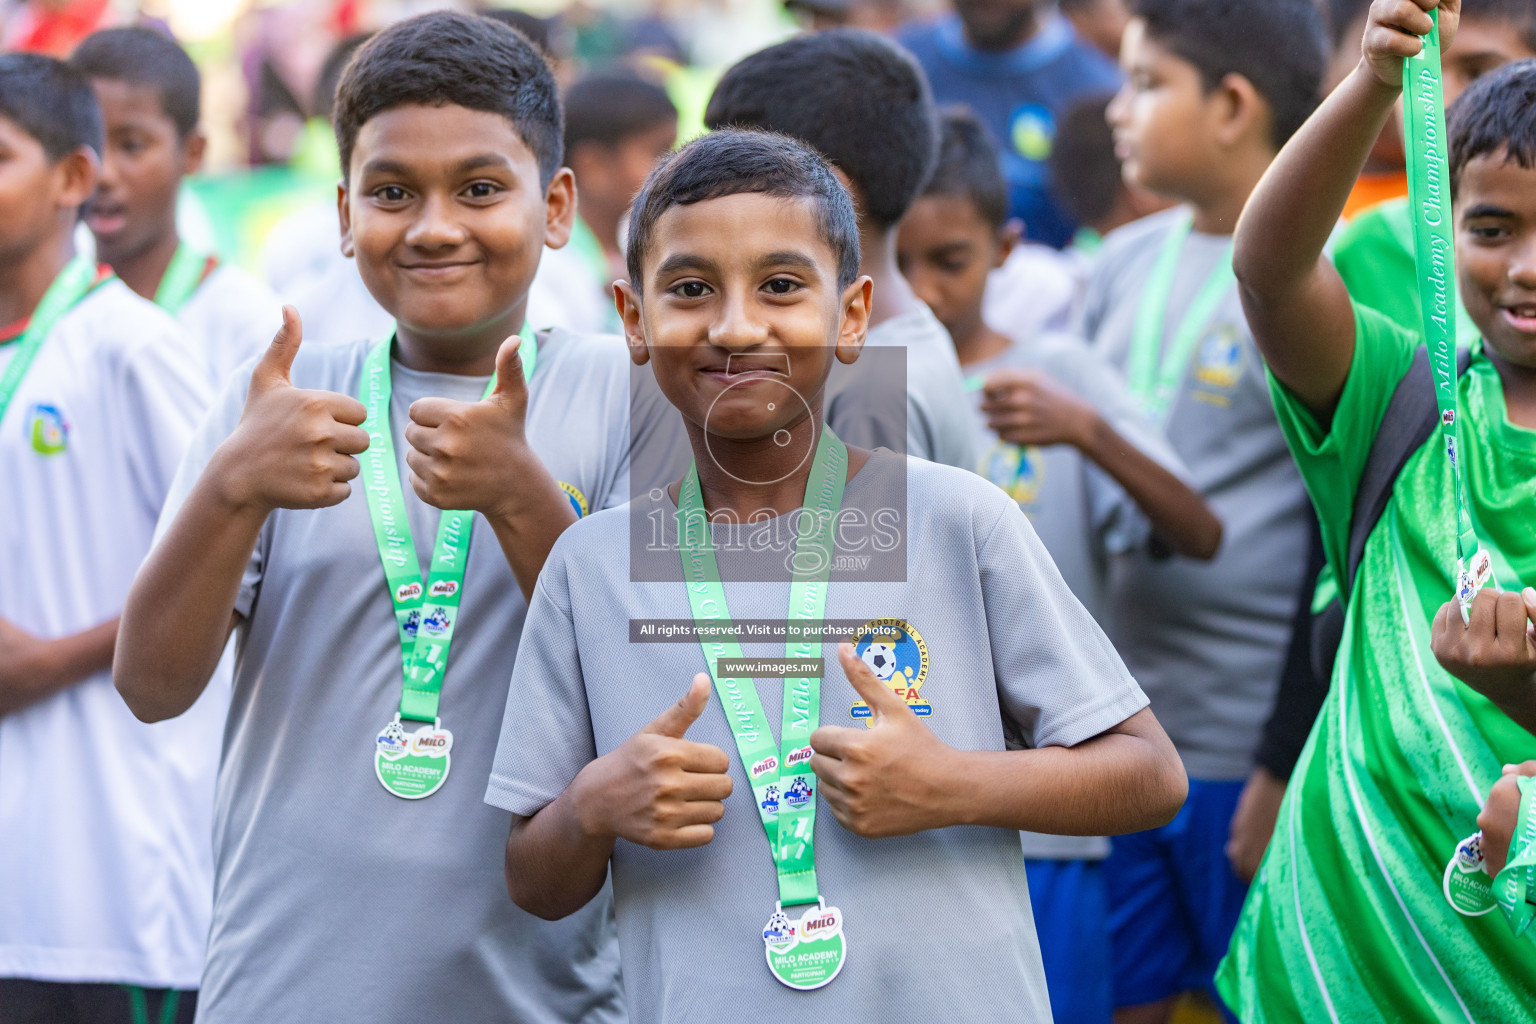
[
  {"x": 898, "y": 656},
  {"x": 575, "y": 497},
  {"x": 1219, "y": 363},
  {"x": 1017, "y": 470},
  {"x": 48, "y": 429}
]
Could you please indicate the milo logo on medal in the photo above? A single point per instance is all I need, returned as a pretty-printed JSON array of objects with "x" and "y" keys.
[
  {"x": 898, "y": 656},
  {"x": 764, "y": 766},
  {"x": 407, "y": 592},
  {"x": 797, "y": 758},
  {"x": 443, "y": 588}
]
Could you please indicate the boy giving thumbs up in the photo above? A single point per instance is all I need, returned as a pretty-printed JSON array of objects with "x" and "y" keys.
[{"x": 368, "y": 518}]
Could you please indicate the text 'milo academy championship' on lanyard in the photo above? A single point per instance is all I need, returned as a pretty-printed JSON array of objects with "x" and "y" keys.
[
  {"x": 808, "y": 953},
  {"x": 1466, "y": 883},
  {"x": 76, "y": 279},
  {"x": 416, "y": 765}
]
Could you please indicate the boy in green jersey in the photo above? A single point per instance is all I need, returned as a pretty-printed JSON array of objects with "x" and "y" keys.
[
  {"x": 1364, "y": 910},
  {"x": 1374, "y": 254}
]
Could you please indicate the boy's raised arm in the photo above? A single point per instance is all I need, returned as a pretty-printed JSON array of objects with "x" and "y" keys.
[
  {"x": 1295, "y": 301},
  {"x": 293, "y": 448}
]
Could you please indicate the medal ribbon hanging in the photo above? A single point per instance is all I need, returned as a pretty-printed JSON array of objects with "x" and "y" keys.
[
  {"x": 1515, "y": 886},
  {"x": 187, "y": 269},
  {"x": 783, "y": 785},
  {"x": 1153, "y": 383},
  {"x": 1429, "y": 197},
  {"x": 74, "y": 281},
  {"x": 424, "y": 614}
]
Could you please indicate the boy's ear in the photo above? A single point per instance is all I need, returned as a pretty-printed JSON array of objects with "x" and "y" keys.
[
  {"x": 344, "y": 218},
  {"x": 853, "y": 325},
  {"x": 1007, "y": 237},
  {"x": 193, "y": 148},
  {"x": 1243, "y": 111},
  {"x": 560, "y": 208},
  {"x": 77, "y": 175},
  {"x": 627, "y": 302}
]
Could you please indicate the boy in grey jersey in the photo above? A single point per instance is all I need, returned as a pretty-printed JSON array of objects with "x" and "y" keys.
[
  {"x": 1209, "y": 99},
  {"x": 336, "y": 899},
  {"x": 743, "y": 290},
  {"x": 1061, "y": 435}
]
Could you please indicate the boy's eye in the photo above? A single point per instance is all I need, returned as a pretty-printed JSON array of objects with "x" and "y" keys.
[
  {"x": 690, "y": 290},
  {"x": 482, "y": 190},
  {"x": 389, "y": 193},
  {"x": 1486, "y": 232},
  {"x": 782, "y": 286}
]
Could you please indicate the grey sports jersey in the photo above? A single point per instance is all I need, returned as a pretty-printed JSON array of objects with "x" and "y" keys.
[
  {"x": 335, "y": 901},
  {"x": 938, "y": 924},
  {"x": 1207, "y": 640},
  {"x": 937, "y": 426},
  {"x": 1078, "y": 511}
]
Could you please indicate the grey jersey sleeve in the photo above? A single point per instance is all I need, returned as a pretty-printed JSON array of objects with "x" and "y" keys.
[
  {"x": 1059, "y": 679},
  {"x": 546, "y": 731}
]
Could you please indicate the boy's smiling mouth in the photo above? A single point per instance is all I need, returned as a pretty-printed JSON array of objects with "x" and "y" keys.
[{"x": 1521, "y": 316}]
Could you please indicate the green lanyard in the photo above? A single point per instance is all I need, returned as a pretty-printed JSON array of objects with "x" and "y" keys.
[
  {"x": 1152, "y": 384},
  {"x": 74, "y": 281},
  {"x": 1429, "y": 194},
  {"x": 424, "y": 614},
  {"x": 783, "y": 785},
  {"x": 181, "y": 279},
  {"x": 1515, "y": 886}
]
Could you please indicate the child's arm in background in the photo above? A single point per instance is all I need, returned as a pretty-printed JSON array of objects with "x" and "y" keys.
[
  {"x": 897, "y": 777},
  {"x": 293, "y": 448},
  {"x": 1026, "y": 407},
  {"x": 1297, "y": 305},
  {"x": 32, "y": 667}
]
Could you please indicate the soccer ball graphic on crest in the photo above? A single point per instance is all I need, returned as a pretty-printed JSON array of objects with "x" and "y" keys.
[{"x": 881, "y": 659}]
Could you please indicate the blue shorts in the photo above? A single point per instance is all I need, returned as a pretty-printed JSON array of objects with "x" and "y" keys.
[
  {"x": 1072, "y": 921},
  {"x": 1173, "y": 899}
]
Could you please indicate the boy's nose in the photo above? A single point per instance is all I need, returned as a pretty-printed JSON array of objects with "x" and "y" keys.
[
  {"x": 737, "y": 326},
  {"x": 436, "y": 227}
]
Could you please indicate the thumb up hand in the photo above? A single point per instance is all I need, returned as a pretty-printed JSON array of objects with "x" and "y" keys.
[
  {"x": 293, "y": 448},
  {"x": 466, "y": 455}
]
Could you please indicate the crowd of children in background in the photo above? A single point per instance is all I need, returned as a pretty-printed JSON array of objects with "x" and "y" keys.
[{"x": 1107, "y": 313}]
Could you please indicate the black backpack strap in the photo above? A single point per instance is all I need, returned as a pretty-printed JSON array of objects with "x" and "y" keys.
[{"x": 1411, "y": 417}]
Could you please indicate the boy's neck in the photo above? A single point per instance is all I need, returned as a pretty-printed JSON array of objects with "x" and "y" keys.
[
  {"x": 23, "y": 283},
  {"x": 1216, "y": 210},
  {"x": 727, "y": 468},
  {"x": 471, "y": 353},
  {"x": 892, "y": 296},
  {"x": 144, "y": 271},
  {"x": 1519, "y": 385},
  {"x": 980, "y": 344}
]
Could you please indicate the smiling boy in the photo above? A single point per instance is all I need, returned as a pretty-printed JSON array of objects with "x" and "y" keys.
[
  {"x": 743, "y": 291},
  {"x": 357, "y": 868},
  {"x": 149, "y": 91},
  {"x": 1360, "y": 911}
]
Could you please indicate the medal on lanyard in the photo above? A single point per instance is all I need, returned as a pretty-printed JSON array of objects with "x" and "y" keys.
[
  {"x": 1429, "y": 195},
  {"x": 806, "y": 953},
  {"x": 74, "y": 281},
  {"x": 186, "y": 271},
  {"x": 1154, "y": 382},
  {"x": 415, "y": 765}
]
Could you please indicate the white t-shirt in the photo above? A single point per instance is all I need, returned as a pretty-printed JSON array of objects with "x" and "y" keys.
[
  {"x": 106, "y": 868},
  {"x": 232, "y": 317},
  {"x": 567, "y": 292}
]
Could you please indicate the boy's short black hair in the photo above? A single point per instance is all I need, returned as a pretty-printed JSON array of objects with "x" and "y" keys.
[
  {"x": 734, "y": 162},
  {"x": 969, "y": 165},
  {"x": 859, "y": 99},
  {"x": 1085, "y": 172},
  {"x": 50, "y": 101},
  {"x": 143, "y": 56},
  {"x": 1497, "y": 112},
  {"x": 1278, "y": 46},
  {"x": 443, "y": 58},
  {"x": 611, "y": 106}
]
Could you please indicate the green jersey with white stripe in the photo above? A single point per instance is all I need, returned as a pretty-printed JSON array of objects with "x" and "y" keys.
[{"x": 1347, "y": 921}]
